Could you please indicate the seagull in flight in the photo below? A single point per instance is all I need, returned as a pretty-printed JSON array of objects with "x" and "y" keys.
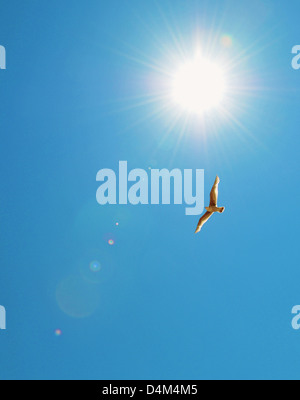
[{"x": 212, "y": 205}]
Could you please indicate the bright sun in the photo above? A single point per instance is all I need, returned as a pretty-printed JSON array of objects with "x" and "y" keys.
[{"x": 198, "y": 85}]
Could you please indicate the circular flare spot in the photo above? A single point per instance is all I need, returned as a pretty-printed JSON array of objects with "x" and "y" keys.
[
  {"x": 77, "y": 297},
  {"x": 95, "y": 266},
  {"x": 226, "y": 41}
]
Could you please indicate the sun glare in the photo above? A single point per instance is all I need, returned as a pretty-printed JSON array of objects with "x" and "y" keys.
[{"x": 198, "y": 85}]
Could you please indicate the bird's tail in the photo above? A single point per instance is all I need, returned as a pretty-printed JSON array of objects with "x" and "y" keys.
[{"x": 198, "y": 229}]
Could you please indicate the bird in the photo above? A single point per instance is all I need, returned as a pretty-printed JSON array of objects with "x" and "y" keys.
[{"x": 212, "y": 206}]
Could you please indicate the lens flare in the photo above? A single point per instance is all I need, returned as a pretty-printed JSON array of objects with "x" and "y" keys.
[
  {"x": 77, "y": 297},
  {"x": 111, "y": 242},
  {"x": 58, "y": 332},
  {"x": 95, "y": 266},
  {"x": 226, "y": 41}
]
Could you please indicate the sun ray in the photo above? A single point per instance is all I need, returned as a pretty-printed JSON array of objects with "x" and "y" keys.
[{"x": 165, "y": 91}]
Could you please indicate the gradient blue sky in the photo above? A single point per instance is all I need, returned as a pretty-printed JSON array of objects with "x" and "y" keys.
[{"x": 167, "y": 304}]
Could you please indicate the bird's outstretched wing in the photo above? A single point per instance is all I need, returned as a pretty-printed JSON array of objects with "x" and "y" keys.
[
  {"x": 214, "y": 193},
  {"x": 202, "y": 221}
]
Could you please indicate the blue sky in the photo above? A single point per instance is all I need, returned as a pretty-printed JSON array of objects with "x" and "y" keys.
[{"x": 167, "y": 304}]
